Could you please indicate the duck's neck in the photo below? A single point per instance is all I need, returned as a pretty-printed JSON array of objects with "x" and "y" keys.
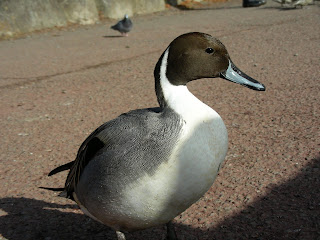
[
  {"x": 157, "y": 77},
  {"x": 176, "y": 97}
]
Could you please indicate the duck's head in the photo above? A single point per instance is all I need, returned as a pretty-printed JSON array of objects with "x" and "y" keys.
[{"x": 198, "y": 55}]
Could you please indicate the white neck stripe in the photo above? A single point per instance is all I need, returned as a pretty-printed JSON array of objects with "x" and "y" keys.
[{"x": 179, "y": 98}]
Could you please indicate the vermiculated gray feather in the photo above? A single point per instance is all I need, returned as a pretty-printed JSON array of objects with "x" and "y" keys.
[{"x": 140, "y": 152}]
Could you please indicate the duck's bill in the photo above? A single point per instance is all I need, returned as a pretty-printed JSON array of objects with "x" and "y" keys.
[{"x": 234, "y": 74}]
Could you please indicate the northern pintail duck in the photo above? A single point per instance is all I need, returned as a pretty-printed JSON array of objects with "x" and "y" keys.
[
  {"x": 124, "y": 26},
  {"x": 147, "y": 166}
]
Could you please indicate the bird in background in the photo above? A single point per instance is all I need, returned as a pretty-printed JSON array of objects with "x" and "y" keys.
[{"x": 124, "y": 26}]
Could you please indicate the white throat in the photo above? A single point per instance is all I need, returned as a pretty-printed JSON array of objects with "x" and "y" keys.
[{"x": 180, "y": 99}]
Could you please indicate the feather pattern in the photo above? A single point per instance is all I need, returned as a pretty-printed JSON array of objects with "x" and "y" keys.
[{"x": 144, "y": 129}]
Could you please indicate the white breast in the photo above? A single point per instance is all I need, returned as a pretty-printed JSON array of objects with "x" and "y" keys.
[{"x": 192, "y": 167}]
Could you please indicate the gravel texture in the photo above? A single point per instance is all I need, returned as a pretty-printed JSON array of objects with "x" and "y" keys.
[{"x": 58, "y": 86}]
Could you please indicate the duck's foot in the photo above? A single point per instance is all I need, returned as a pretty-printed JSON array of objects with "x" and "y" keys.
[
  {"x": 120, "y": 235},
  {"x": 171, "y": 232}
]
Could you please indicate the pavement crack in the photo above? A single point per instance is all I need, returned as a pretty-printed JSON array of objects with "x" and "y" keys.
[{"x": 31, "y": 80}]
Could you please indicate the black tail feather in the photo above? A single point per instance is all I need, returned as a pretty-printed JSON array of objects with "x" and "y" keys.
[
  {"x": 61, "y": 168},
  {"x": 53, "y": 189}
]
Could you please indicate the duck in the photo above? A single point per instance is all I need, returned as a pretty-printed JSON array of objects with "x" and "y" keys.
[
  {"x": 124, "y": 26},
  {"x": 147, "y": 166}
]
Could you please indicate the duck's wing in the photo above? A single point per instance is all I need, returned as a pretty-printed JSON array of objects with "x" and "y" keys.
[
  {"x": 136, "y": 141},
  {"x": 88, "y": 149},
  {"x": 85, "y": 153}
]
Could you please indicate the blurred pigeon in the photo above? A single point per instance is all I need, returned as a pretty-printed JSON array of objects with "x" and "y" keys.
[{"x": 124, "y": 26}]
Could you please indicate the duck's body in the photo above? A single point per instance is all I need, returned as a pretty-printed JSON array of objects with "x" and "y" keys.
[
  {"x": 147, "y": 166},
  {"x": 156, "y": 189},
  {"x": 180, "y": 157},
  {"x": 124, "y": 26}
]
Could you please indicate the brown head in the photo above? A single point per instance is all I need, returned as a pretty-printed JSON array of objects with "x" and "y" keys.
[{"x": 196, "y": 55}]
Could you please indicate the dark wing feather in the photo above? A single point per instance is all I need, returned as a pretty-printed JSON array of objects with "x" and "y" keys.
[
  {"x": 138, "y": 129},
  {"x": 86, "y": 152}
]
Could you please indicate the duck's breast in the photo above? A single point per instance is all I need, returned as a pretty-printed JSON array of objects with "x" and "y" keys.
[{"x": 191, "y": 170}]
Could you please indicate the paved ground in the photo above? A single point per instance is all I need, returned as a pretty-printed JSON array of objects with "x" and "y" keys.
[{"x": 58, "y": 86}]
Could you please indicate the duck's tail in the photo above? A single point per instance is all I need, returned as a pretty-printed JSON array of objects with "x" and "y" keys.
[
  {"x": 61, "y": 168},
  {"x": 53, "y": 189}
]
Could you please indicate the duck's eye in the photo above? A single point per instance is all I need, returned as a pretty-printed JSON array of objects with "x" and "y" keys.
[{"x": 209, "y": 50}]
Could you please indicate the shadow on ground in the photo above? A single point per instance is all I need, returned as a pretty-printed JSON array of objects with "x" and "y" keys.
[
  {"x": 112, "y": 36},
  {"x": 289, "y": 211}
]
